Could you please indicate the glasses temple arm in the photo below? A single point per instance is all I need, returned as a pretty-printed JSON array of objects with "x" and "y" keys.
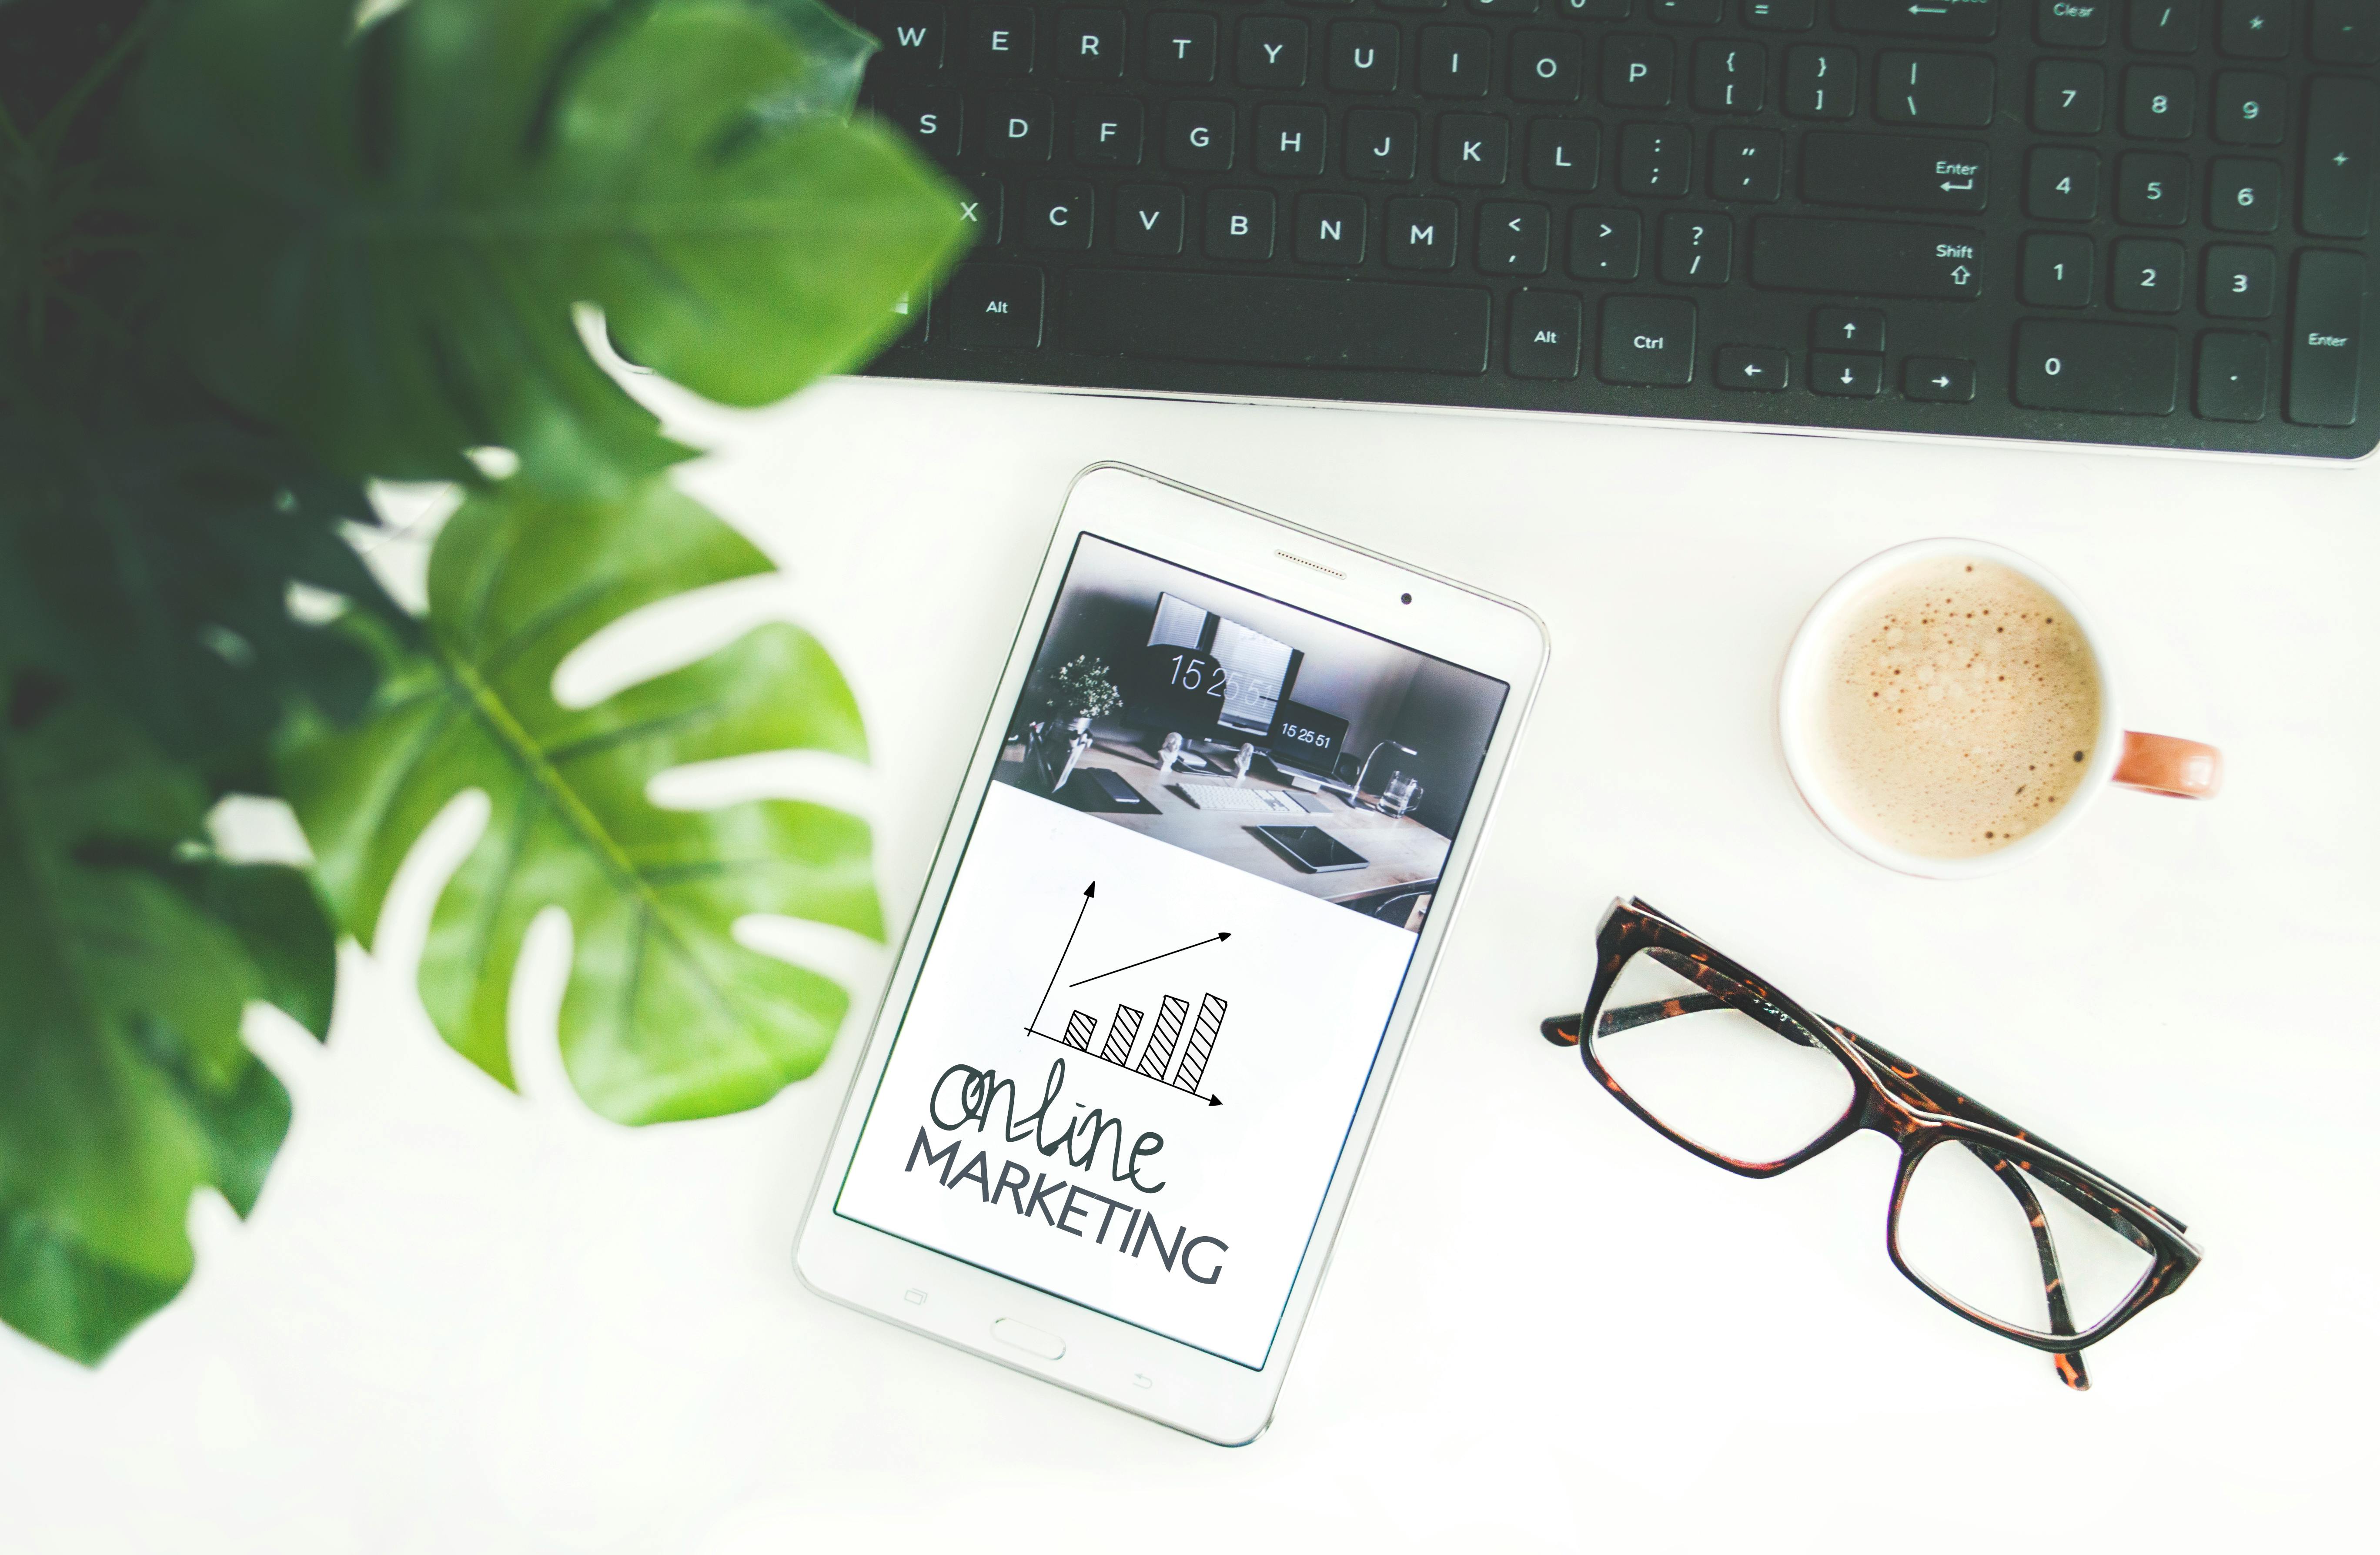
[{"x": 2053, "y": 1282}]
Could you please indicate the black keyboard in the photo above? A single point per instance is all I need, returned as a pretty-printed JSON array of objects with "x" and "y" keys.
[{"x": 2069, "y": 220}]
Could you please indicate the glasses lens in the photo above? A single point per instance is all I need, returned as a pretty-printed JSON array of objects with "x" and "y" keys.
[
  {"x": 1691, "y": 1056},
  {"x": 1966, "y": 1228}
]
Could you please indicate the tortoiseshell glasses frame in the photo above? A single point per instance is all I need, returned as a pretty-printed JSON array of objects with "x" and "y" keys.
[{"x": 1896, "y": 1098}]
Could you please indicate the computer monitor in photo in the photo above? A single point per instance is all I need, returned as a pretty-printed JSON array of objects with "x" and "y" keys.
[
  {"x": 1308, "y": 742},
  {"x": 1208, "y": 678}
]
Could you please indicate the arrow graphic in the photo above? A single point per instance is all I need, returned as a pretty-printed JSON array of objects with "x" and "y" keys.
[
  {"x": 1942, "y": 380},
  {"x": 1089, "y": 891},
  {"x": 1211, "y": 939}
]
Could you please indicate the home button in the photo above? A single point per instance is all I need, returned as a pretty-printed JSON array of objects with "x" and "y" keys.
[{"x": 1040, "y": 1341}]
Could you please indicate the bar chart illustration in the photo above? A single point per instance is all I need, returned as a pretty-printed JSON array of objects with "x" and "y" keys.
[{"x": 1177, "y": 1047}]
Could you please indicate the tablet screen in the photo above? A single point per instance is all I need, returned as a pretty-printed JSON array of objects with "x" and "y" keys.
[{"x": 1128, "y": 1068}]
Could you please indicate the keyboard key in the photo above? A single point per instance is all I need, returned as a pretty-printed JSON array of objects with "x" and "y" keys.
[
  {"x": 934, "y": 118},
  {"x": 2061, "y": 183},
  {"x": 1759, "y": 369},
  {"x": 2163, "y": 26},
  {"x": 2254, "y": 28},
  {"x": 1606, "y": 244},
  {"x": 1107, "y": 132},
  {"x": 2248, "y": 108},
  {"x": 1545, "y": 337},
  {"x": 2160, "y": 101},
  {"x": 1272, "y": 321},
  {"x": 2056, "y": 269},
  {"x": 2341, "y": 134},
  {"x": 1973, "y": 19},
  {"x": 1847, "y": 329},
  {"x": 1547, "y": 66},
  {"x": 1594, "y": 10},
  {"x": 2231, "y": 369},
  {"x": 1056, "y": 215},
  {"x": 1148, "y": 219},
  {"x": 1894, "y": 172},
  {"x": 2069, "y": 97},
  {"x": 981, "y": 207},
  {"x": 1453, "y": 62},
  {"x": 1380, "y": 144},
  {"x": 1846, "y": 376},
  {"x": 999, "y": 40},
  {"x": 1514, "y": 239},
  {"x": 1747, "y": 164},
  {"x": 2152, "y": 190},
  {"x": 2072, "y": 24},
  {"x": 1942, "y": 379},
  {"x": 1089, "y": 45},
  {"x": 2346, "y": 32},
  {"x": 2239, "y": 282},
  {"x": 1016, "y": 126},
  {"x": 1687, "y": 13},
  {"x": 1697, "y": 250},
  {"x": 2243, "y": 196},
  {"x": 1866, "y": 259},
  {"x": 1731, "y": 78},
  {"x": 1362, "y": 56},
  {"x": 2115, "y": 370},
  {"x": 912, "y": 34},
  {"x": 1271, "y": 53},
  {"x": 1473, "y": 150},
  {"x": 1780, "y": 15},
  {"x": 1179, "y": 47},
  {"x": 1563, "y": 154},
  {"x": 1938, "y": 89},
  {"x": 2144, "y": 275},
  {"x": 1647, "y": 340},
  {"x": 1655, "y": 160},
  {"x": 1821, "y": 83},
  {"x": 1239, "y": 225},
  {"x": 1291, "y": 142},
  {"x": 1638, "y": 72},
  {"x": 1422, "y": 234},
  {"x": 2325, "y": 338},
  {"x": 1506, "y": 7},
  {"x": 1330, "y": 229},
  {"x": 1198, "y": 136},
  {"x": 993, "y": 308}
]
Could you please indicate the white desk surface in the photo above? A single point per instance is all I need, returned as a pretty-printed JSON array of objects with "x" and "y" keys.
[{"x": 463, "y": 1321}]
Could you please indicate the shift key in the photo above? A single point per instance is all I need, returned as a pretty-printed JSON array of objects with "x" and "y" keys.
[{"x": 2326, "y": 339}]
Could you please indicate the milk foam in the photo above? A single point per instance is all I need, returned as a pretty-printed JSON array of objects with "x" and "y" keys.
[{"x": 1958, "y": 709}]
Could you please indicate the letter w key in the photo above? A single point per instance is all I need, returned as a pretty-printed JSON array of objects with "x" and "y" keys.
[{"x": 912, "y": 34}]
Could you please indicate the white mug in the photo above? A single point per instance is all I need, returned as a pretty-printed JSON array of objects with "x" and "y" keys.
[{"x": 2157, "y": 763}]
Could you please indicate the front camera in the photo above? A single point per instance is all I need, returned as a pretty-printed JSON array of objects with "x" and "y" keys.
[{"x": 1406, "y": 598}]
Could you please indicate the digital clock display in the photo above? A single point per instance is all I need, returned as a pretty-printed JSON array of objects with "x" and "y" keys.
[
  {"x": 1308, "y": 737},
  {"x": 1183, "y": 688}
]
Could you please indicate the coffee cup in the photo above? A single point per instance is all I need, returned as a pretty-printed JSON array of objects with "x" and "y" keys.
[{"x": 1947, "y": 710}]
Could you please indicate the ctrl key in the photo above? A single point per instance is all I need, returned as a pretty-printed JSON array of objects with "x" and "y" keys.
[
  {"x": 1647, "y": 340},
  {"x": 993, "y": 308}
]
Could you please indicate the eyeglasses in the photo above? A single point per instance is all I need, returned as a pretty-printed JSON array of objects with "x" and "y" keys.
[{"x": 2003, "y": 1228}]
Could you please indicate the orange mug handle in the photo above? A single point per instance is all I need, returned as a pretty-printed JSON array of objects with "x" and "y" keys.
[{"x": 2162, "y": 764}]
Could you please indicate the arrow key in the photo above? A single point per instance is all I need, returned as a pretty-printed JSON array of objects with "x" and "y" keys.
[
  {"x": 1847, "y": 375},
  {"x": 1847, "y": 329},
  {"x": 1757, "y": 368},
  {"x": 1947, "y": 380}
]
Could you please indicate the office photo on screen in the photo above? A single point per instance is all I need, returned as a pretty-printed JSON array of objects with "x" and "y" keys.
[{"x": 1266, "y": 737}]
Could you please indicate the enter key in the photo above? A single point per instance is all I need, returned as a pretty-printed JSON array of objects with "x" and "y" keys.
[{"x": 2326, "y": 339}]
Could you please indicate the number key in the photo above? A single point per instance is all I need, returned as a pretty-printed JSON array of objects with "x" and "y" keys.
[
  {"x": 2056, "y": 269},
  {"x": 2062, "y": 184},
  {"x": 2248, "y": 108},
  {"x": 2239, "y": 282},
  {"x": 2153, "y": 189},
  {"x": 2069, "y": 97},
  {"x": 2243, "y": 196},
  {"x": 2160, "y": 101},
  {"x": 2146, "y": 277}
]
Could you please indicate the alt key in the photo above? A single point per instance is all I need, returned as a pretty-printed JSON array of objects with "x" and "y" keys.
[
  {"x": 1752, "y": 367},
  {"x": 1944, "y": 379}
]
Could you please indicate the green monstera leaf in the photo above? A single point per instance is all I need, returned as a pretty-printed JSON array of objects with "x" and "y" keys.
[
  {"x": 388, "y": 230},
  {"x": 128, "y": 954},
  {"x": 665, "y": 1016}
]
